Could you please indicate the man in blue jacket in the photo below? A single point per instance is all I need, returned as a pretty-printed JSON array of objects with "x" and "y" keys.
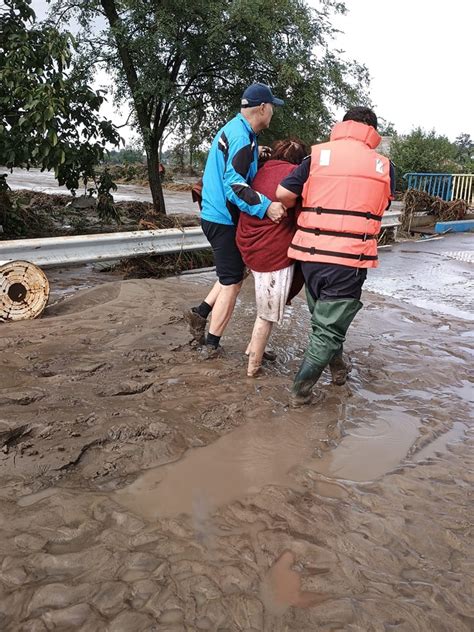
[{"x": 231, "y": 165}]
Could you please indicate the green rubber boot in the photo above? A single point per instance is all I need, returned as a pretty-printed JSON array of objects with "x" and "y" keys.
[
  {"x": 339, "y": 369},
  {"x": 330, "y": 321},
  {"x": 306, "y": 378}
]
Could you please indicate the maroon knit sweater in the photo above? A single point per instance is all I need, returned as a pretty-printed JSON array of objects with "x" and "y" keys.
[{"x": 262, "y": 243}]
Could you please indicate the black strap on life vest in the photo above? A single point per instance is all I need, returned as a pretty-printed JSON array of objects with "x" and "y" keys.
[
  {"x": 336, "y": 233},
  {"x": 334, "y": 211},
  {"x": 330, "y": 253}
]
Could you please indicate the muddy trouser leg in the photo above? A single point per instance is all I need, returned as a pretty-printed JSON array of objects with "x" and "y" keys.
[{"x": 330, "y": 321}]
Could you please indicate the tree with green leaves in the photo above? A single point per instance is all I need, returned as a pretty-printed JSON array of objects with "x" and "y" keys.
[
  {"x": 128, "y": 155},
  {"x": 385, "y": 128},
  {"x": 48, "y": 114},
  {"x": 423, "y": 152},
  {"x": 184, "y": 65},
  {"x": 465, "y": 152}
]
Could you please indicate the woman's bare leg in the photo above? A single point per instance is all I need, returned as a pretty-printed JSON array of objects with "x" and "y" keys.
[{"x": 260, "y": 335}]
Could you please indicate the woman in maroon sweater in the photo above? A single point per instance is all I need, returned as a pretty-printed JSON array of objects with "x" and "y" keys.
[{"x": 264, "y": 245}]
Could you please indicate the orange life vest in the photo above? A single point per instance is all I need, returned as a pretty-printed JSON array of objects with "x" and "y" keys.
[{"x": 344, "y": 199}]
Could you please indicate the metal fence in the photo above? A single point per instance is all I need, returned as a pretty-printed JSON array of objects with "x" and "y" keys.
[
  {"x": 438, "y": 184},
  {"x": 447, "y": 186},
  {"x": 463, "y": 187}
]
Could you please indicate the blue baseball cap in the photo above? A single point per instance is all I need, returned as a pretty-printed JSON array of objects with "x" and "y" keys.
[{"x": 258, "y": 93}]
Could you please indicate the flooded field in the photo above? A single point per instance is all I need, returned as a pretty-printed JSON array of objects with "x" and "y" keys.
[
  {"x": 44, "y": 181},
  {"x": 143, "y": 489}
]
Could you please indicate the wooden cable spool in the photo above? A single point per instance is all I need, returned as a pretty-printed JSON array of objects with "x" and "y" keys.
[{"x": 24, "y": 291}]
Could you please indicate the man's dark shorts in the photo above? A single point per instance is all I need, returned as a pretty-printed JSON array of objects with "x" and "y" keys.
[
  {"x": 227, "y": 257},
  {"x": 331, "y": 282}
]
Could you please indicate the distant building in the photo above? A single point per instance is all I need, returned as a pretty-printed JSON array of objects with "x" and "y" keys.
[{"x": 385, "y": 144}]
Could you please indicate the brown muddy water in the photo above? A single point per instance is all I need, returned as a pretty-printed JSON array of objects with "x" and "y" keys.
[
  {"x": 143, "y": 489},
  {"x": 44, "y": 181}
]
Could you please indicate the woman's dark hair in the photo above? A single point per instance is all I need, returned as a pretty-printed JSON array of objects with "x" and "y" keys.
[
  {"x": 291, "y": 149},
  {"x": 361, "y": 115}
]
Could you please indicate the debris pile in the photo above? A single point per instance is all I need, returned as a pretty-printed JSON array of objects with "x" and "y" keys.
[
  {"x": 138, "y": 174},
  {"x": 421, "y": 202},
  {"x": 178, "y": 186},
  {"x": 29, "y": 214},
  {"x": 157, "y": 266},
  {"x": 129, "y": 174},
  {"x": 449, "y": 211},
  {"x": 32, "y": 214}
]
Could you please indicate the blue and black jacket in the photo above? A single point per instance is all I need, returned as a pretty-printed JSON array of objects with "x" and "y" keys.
[{"x": 231, "y": 165}]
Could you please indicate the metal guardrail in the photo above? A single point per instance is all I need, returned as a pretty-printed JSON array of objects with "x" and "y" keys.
[
  {"x": 59, "y": 251},
  {"x": 447, "y": 186},
  {"x": 391, "y": 218}
]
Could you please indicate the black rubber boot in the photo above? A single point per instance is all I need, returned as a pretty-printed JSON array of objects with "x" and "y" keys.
[{"x": 306, "y": 378}]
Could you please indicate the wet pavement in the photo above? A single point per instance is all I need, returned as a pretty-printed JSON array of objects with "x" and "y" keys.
[
  {"x": 143, "y": 489},
  {"x": 435, "y": 274}
]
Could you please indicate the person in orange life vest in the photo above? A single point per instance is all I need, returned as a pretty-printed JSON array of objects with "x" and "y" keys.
[{"x": 345, "y": 187}]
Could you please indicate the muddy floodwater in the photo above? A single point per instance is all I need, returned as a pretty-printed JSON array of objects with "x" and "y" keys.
[
  {"x": 44, "y": 181},
  {"x": 145, "y": 490}
]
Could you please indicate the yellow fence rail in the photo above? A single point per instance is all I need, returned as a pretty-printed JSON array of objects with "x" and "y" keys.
[{"x": 463, "y": 187}]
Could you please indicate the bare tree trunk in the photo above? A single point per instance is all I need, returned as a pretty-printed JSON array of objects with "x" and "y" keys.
[
  {"x": 154, "y": 180},
  {"x": 160, "y": 149},
  {"x": 111, "y": 13}
]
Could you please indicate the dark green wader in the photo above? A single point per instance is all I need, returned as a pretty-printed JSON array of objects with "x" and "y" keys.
[{"x": 330, "y": 321}]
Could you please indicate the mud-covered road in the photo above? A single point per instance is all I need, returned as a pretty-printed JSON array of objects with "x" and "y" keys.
[{"x": 143, "y": 489}]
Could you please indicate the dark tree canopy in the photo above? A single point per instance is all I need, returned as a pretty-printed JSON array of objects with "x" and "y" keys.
[
  {"x": 424, "y": 152},
  {"x": 48, "y": 114},
  {"x": 183, "y": 65},
  {"x": 465, "y": 151}
]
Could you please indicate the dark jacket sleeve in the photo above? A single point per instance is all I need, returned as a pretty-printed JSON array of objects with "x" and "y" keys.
[{"x": 295, "y": 181}]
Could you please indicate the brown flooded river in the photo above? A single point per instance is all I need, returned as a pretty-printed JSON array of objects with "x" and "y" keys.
[
  {"x": 143, "y": 489},
  {"x": 44, "y": 181}
]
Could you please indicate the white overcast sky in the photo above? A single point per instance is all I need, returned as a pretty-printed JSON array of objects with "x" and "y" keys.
[{"x": 420, "y": 56}]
